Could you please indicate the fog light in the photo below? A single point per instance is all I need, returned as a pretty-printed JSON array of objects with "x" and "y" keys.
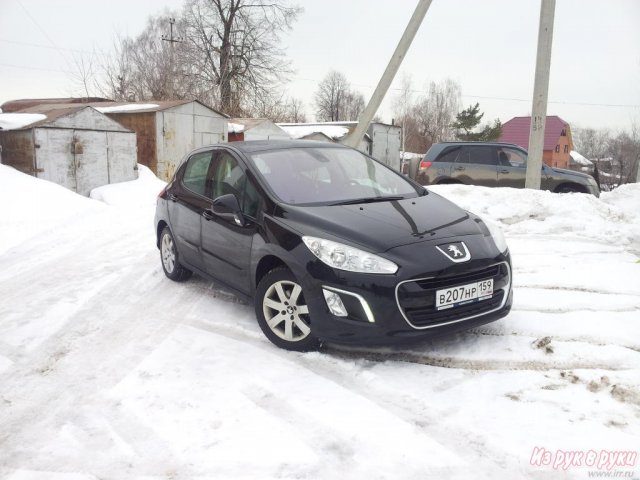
[{"x": 334, "y": 302}]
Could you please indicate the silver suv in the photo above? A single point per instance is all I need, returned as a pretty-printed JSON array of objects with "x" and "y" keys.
[{"x": 493, "y": 165}]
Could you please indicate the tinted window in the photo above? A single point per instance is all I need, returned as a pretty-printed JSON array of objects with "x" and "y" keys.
[
  {"x": 195, "y": 173},
  {"x": 449, "y": 156},
  {"x": 228, "y": 177},
  {"x": 481, "y": 155},
  {"x": 328, "y": 175}
]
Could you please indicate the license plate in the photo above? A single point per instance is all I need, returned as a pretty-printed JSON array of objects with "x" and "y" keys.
[{"x": 464, "y": 294}]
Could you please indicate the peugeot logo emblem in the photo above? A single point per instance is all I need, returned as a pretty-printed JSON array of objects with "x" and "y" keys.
[{"x": 456, "y": 252}]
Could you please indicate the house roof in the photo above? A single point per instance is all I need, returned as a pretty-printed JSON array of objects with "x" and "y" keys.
[
  {"x": 44, "y": 115},
  {"x": 115, "y": 107},
  {"x": 38, "y": 116},
  {"x": 24, "y": 103},
  {"x": 517, "y": 129}
]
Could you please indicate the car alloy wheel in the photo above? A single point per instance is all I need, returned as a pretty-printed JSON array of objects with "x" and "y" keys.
[
  {"x": 285, "y": 311},
  {"x": 170, "y": 259},
  {"x": 168, "y": 252}
]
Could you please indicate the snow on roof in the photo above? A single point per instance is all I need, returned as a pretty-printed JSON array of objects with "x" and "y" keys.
[
  {"x": 235, "y": 127},
  {"x": 131, "y": 107},
  {"x": 302, "y": 130},
  {"x": 579, "y": 159},
  {"x": 14, "y": 121}
]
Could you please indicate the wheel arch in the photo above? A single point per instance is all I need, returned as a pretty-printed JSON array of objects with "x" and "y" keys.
[
  {"x": 160, "y": 227},
  {"x": 265, "y": 265},
  {"x": 576, "y": 187}
]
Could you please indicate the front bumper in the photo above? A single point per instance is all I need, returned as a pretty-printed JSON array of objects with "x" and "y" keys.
[{"x": 402, "y": 305}]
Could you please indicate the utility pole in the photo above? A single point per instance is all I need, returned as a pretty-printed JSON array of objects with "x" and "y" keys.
[
  {"x": 540, "y": 94},
  {"x": 171, "y": 41},
  {"x": 172, "y": 22},
  {"x": 387, "y": 77}
]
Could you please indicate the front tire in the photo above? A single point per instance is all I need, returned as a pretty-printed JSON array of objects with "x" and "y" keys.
[
  {"x": 568, "y": 188},
  {"x": 170, "y": 259},
  {"x": 282, "y": 312}
]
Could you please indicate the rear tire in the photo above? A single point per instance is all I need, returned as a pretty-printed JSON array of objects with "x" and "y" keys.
[
  {"x": 170, "y": 259},
  {"x": 282, "y": 312}
]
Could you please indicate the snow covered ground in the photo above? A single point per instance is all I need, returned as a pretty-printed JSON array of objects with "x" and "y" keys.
[{"x": 110, "y": 371}]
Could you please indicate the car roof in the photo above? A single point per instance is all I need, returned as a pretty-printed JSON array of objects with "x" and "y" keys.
[{"x": 437, "y": 148}]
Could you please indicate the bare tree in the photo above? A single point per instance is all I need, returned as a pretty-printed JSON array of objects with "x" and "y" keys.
[
  {"x": 591, "y": 143},
  {"x": 402, "y": 105},
  {"x": 616, "y": 155},
  {"x": 146, "y": 67},
  {"x": 234, "y": 45},
  {"x": 336, "y": 101},
  {"x": 84, "y": 74},
  {"x": 436, "y": 111},
  {"x": 118, "y": 72}
]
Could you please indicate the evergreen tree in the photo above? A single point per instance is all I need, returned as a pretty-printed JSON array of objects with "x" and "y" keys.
[{"x": 468, "y": 120}]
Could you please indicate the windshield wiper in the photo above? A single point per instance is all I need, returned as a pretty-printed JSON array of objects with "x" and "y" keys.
[{"x": 355, "y": 201}]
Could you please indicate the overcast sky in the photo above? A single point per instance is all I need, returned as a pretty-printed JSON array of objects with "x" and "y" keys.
[{"x": 487, "y": 46}]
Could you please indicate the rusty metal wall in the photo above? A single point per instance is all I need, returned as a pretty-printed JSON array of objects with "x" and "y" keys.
[
  {"x": 144, "y": 125},
  {"x": 18, "y": 150}
]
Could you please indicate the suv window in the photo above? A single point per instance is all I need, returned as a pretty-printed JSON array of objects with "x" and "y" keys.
[
  {"x": 479, "y": 155},
  {"x": 449, "y": 155},
  {"x": 511, "y": 158},
  {"x": 195, "y": 173}
]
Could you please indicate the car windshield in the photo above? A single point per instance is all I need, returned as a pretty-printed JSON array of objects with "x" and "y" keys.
[{"x": 329, "y": 176}]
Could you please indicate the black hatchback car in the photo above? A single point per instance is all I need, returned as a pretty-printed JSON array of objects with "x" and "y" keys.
[
  {"x": 494, "y": 165},
  {"x": 330, "y": 244}
]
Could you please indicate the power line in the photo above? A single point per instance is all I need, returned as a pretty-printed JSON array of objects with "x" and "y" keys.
[
  {"x": 24, "y": 67},
  {"x": 43, "y": 32},
  {"x": 49, "y": 47},
  {"x": 504, "y": 99}
]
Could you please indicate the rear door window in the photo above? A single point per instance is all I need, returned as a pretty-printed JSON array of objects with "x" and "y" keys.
[
  {"x": 482, "y": 155},
  {"x": 449, "y": 156}
]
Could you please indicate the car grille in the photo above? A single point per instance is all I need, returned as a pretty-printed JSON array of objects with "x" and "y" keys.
[{"x": 416, "y": 298}]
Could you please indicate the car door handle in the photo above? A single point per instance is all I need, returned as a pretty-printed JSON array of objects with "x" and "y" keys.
[
  {"x": 504, "y": 171},
  {"x": 173, "y": 197},
  {"x": 208, "y": 215},
  {"x": 460, "y": 169}
]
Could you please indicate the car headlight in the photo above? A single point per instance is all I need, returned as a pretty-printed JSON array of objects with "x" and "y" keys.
[
  {"x": 496, "y": 234},
  {"x": 344, "y": 257}
]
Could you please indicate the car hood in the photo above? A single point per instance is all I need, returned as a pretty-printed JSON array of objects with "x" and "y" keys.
[
  {"x": 572, "y": 173},
  {"x": 380, "y": 226}
]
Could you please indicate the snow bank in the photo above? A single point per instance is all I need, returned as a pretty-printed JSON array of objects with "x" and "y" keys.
[
  {"x": 142, "y": 191},
  {"x": 127, "y": 108},
  {"x": 613, "y": 218},
  {"x": 13, "y": 121},
  {"x": 31, "y": 207}
]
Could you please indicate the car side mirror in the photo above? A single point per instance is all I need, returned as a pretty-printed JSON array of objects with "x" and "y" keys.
[{"x": 227, "y": 207}]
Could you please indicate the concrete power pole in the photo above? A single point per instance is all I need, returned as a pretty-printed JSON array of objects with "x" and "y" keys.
[
  {"x": 540, "y": 94},
  {"x": 387, "y": 77}
]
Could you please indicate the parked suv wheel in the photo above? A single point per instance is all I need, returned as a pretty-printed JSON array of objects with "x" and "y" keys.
[
  {"x": 282, "y": 312},
  {"x": 169, "y": 257}
]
